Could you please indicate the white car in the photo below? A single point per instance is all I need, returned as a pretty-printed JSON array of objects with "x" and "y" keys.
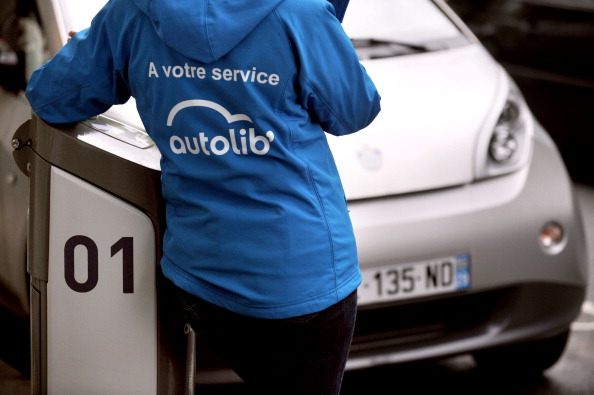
[{"x": 469, "y": 237}]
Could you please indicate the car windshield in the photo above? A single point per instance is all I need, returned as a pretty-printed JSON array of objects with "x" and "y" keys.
[{"x": 381, "y": 28}]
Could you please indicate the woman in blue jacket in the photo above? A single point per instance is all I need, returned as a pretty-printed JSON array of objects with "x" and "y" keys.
[{"x": 237, "y": 96}]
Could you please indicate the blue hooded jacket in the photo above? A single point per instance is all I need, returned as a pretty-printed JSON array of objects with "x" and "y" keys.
[{"x": 237, "y": 95}]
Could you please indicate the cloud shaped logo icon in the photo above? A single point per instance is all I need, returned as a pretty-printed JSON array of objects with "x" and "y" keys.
[{"x": 208, "y": 104}]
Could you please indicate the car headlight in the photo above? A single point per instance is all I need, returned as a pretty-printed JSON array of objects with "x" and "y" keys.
[{"x": 507, "y": 141}]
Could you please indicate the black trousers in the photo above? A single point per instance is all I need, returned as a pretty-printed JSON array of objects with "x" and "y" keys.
[{"x": 304, "y": 355}]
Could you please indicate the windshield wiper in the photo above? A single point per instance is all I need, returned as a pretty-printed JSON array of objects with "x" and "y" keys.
[{"x": 375, "y": 42}]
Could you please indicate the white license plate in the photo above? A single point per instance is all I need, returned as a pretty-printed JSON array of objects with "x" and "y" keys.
[{"x": 415, "y": 279}]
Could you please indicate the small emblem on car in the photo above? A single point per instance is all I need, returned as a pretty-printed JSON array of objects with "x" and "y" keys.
[{"x": 370, "y": 158}]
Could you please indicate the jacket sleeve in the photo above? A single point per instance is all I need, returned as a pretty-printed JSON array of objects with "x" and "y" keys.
[
  {"x": 83, "y": 79},
  {"x": 335, "y": 87}
]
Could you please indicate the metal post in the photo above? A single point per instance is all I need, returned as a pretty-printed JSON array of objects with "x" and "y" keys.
[{"x": 190, "y": 359}]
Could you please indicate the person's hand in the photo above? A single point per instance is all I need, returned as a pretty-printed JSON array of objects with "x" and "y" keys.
[{"x": 71, "y": 34}]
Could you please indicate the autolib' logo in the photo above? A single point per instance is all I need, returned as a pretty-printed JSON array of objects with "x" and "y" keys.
[{"x": 241, "y": 142}]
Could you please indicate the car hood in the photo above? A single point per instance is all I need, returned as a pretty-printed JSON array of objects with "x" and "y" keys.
[{"x": 434, "y": 108}]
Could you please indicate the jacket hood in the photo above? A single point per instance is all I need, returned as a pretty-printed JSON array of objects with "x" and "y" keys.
[{"x": 205, "y": 30}]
